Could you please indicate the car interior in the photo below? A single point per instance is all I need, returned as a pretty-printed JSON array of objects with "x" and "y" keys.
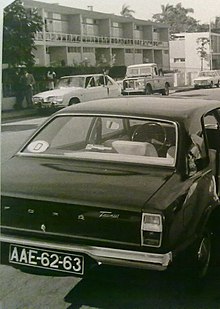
[
  {"x": 108, "y": 135},
  {"x": 212, "y": 131}
]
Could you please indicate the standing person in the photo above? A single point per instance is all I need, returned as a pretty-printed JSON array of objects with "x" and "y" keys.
[
  {"x": 19, "y": 89},
  {"x": 51, "y": 77},
  {"x": 28, "y": 81}
]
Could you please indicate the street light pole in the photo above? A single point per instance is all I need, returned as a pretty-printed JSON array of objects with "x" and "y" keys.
[{"x": 210, "y": 44}]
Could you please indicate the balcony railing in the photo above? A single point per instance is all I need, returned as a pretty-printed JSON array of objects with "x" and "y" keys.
[{"x": 75, "y": 38}]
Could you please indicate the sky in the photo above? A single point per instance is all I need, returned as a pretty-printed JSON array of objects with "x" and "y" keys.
[{"x": 204, "y": 10}]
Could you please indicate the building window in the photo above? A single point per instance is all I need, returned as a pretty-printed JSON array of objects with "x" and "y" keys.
[
  {"x": 116, "y": 25},
  {"x": 138, "y": 51},
  {"x": 56, "y": 23},
  {"x": 73, "y": 49},
  {"x": 90, "y": 26},
  {"x": 175, "y": 60},
  {"x": 90, "y": 21},
  {"x": 88, "y": 49},
  {"x": 138, "y": 27},
  {"x": 116, "y": 30}
]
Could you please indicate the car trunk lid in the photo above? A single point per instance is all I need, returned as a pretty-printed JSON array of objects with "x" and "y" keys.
[{"x": 87, "y": 202}]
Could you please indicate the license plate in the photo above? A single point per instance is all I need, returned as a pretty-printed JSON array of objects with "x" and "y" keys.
[{"x": 46, "y": 259}]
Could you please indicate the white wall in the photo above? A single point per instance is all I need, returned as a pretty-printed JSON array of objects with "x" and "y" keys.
[
  {"x": 187, "y": 48},
  {"x": 177, "y": 50}
]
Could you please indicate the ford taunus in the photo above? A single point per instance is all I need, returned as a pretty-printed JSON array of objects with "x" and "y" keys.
[
  {"x": 129, "y": 182},
  {"x": 75, "y": 89}
]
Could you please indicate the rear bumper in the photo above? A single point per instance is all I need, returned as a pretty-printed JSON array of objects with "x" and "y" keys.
[{"x": 101, "y": 255}]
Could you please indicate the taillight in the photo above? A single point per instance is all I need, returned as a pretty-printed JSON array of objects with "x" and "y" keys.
[{"x": 151, "y": 230}]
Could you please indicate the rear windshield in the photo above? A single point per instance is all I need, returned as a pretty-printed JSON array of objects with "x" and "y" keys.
[{"x": 107, "y": 138}]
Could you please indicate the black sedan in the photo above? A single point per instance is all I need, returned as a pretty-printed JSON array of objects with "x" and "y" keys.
[{"x": 129, "y": 182}]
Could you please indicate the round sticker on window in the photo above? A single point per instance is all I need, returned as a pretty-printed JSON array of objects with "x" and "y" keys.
[{"x": 38, "y": 146}]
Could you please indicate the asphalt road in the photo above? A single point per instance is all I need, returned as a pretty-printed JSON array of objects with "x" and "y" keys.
[
  {"x": 103, "y": 288},
  {"x": 107, "y": 289}
]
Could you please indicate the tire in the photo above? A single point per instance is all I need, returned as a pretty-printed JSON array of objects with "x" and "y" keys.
[
  {"x": 202, "y": 256},
  {"x": 166, "y": 90},
  {"x": 148, "y": 90},
  {"x": 74, "y": 101},
  {"x": 211, "y": 85},
  {"x": 217, "y": 85}
]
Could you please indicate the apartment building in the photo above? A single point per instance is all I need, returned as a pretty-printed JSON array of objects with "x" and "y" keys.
[
  {"x": 72, "y": 36},
  {"x": 184, "y": 54}
]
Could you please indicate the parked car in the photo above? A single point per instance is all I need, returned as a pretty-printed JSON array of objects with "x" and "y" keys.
[
  {"x": 147, "y": 79},
  {"x": 75, "y": 89},
  {"x": 130, "y": 181},
  {"x": 207, "y": 79}
]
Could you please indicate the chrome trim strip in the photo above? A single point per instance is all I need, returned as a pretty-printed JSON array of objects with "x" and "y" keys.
[{"x": 101, "y": 254}]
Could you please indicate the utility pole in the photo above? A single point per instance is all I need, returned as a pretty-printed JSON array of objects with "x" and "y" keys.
[{"x": 210, "y": 44}]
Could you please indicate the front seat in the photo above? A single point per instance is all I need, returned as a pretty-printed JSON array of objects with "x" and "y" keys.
[{"x": 134, "y": 148}]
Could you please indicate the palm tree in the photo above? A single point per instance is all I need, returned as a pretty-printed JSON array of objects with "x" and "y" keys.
[
  {"x": 126, "y": 11},
  {"x": 202, "y": 49},
  {"x": 177, "y": 18},
  {"x": 167, "y": 11}
]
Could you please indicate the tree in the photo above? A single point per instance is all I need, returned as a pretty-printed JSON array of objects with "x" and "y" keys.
[
  {"x": 126, "y": 11},
  {"x": 177, "y": 18},
  {"x": 202, "y": 49},
  {"x": 19, "y": 28}
]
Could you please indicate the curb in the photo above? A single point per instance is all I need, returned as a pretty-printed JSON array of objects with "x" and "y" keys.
[
  {"x": 12, "y": 114},
  {"x": 184, "y": 89}
]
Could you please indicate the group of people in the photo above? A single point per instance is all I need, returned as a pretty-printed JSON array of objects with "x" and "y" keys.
[{"x": 24, "y": 84}]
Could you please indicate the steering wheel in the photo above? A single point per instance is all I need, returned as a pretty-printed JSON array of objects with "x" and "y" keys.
[{"x": 151, "y": 132}]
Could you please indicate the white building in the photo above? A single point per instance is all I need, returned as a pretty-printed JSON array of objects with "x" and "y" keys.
[
  {"x": 184, "y": 54},
  {"x": 71, "y": 36}
]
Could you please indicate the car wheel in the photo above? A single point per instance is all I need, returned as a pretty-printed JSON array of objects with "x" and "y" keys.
[
  {"x": 148, "y": 90},
  {"x": 166, "y": 90},
  {"x": 202, "y": 256},
  {"x": 211, "y": 85},
  {"x": 74, "y": 101},
  {"x": 217, "y": 85}
]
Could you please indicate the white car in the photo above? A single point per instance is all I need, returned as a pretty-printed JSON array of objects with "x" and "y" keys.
[
  {"x": 206, "y": 79},
  {"x": 77, "y": 88}
]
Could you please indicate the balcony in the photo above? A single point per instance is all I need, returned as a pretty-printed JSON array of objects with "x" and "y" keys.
[{"x": 115, "y": 41}]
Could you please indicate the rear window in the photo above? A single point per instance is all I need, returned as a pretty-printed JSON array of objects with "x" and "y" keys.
[{"x": 106, "y": 138}]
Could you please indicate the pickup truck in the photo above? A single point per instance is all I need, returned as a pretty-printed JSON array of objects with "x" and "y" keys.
[{"x": 146, "y": 79}]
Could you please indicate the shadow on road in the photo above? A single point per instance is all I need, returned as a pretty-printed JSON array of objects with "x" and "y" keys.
[{"x": 108, "y": 289}]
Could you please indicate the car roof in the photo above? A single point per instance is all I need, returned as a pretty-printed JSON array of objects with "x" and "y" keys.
[{"x": 182, "y": 110}]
